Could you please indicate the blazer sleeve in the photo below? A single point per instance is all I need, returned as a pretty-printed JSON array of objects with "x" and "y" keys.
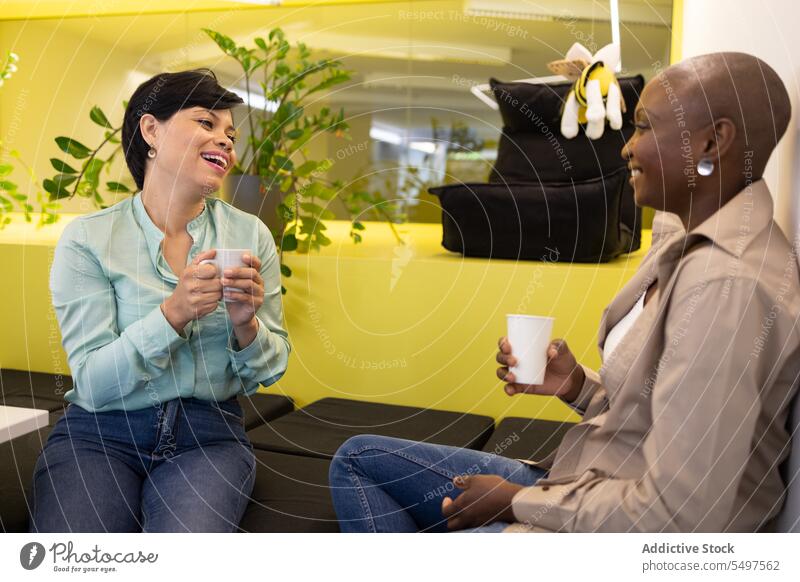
[
  {"x": 264, "y": 360},
  {"x": 704, "y": 406},
  {"x": 591, "y": 385},
  {"x": 105, "y": 364}
]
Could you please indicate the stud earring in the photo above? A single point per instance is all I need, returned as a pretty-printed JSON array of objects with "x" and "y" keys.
[
  {"x": 705, "y": 167},
  {"x": 151, "y": 153}
]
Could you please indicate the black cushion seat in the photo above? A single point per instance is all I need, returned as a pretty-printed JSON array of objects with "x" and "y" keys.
[
  {"x": 574, "y": 222},
  {"x": 261, "y": 408},
  {"x": 34, "y": 389},
  {"x": 46, "y": 392},
  {"x": 532, "y": 149},
  {"x": 17, "y": 460},
  {"x": 320, "y": 428},
  {"x": 526, "y": 438},
  {"x": 291, "y": 494}
]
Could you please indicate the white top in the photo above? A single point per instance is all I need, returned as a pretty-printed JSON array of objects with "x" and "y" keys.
[{"x": 618, "y": 332}]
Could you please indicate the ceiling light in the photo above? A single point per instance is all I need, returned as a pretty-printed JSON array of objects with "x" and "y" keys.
[
  {"x": 256, "y": 101},
  {"x": 427, "y": 147},
  {"x": 385, "y": 135}
]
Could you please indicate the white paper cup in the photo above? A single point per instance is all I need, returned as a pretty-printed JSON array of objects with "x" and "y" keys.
[
  {"x": 529, "y": 336},
  {"x": 228, "y": 259}
]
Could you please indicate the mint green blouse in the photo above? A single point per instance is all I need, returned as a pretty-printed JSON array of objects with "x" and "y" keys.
[{"x": 108, "y": 280}]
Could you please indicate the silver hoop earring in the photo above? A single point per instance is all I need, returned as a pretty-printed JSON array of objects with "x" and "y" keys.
[
  {"x": 705, "y": 167},
  {"x": 151, "y": 153}
]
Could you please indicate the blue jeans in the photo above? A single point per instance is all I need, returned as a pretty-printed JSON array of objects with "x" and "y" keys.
[
  {"x": 185, "y": 465},
  {"x": 383, "y": 484}
]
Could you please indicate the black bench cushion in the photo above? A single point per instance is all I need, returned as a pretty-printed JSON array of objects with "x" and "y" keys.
[
  {"x": 261, "y": 408},
  {"x": 320, "y": 428},
  {"x": 46, "y": 392},
  {"x": 34, "y": 389},
  {"x": 291, "y": 494},
  {"x": 17, "y": 460},
  {"x": 526, "y": 438},
  {"x": 257, "y": 409}
]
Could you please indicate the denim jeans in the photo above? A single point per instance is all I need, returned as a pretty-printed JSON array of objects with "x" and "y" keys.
[
  {"x": 383, "y": 484},
  {"x": 185, "y": 465}
]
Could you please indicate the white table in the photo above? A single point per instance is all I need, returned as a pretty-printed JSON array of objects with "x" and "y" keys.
[{"x": 16, "y": 421}]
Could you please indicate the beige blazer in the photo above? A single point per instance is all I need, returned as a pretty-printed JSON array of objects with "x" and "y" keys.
[{"x": 684, "y": 426}]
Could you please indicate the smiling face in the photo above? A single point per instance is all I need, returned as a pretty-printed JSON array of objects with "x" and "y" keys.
[
  {"x": 660, "y": 153},
  {"x": 194, "y": 147}
]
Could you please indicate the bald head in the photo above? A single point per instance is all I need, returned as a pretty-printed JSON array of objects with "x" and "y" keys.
[{"x": 739, "y": 87}]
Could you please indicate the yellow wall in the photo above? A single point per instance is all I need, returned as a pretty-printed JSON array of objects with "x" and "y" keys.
[{"x": 60, "y": 78}]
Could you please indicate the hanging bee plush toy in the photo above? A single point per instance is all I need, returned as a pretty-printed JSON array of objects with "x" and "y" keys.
[{"x": 596, "y": 95}]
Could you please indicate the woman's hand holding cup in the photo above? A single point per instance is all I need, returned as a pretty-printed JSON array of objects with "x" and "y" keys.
[
  {"x": 197, "y": 294},
  {"x": 563, "y": 376}
]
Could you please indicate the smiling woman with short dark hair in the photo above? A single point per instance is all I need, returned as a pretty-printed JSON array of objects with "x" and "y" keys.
[{"x": 153, "y": 438}]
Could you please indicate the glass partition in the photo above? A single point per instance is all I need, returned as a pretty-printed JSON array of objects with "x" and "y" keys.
[{"x": 410, "y": 103}]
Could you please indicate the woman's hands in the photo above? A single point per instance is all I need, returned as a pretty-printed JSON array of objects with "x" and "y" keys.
[
  {"x": 197, "y": 294},
  {"x": 563, "y": 376},
  {"x": 248, "y": 297},
  {"x": 486, "y": 499}
]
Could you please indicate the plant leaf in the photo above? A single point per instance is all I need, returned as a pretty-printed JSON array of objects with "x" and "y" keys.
[
  {"x": 322, "y": 239},
  {"x": 224, "y": 42},
  {"x": 62, "y": 167},
  {"x": 92, "y": 171},
  {"x": 117, "y": 187},
  {"x": 289, "y": 243},
  {"x": 294, "y": 133},
  {"x": 97, "y": 115},
  {"x": 336, "y": 78},
  {"x": 319, "y": 190},
  {"x": 54, "y": 191},
  {"x": 306, "y": 168},
  {"x": 284, "y": 163},
  {"x": 312, "y": 208},
  {"x": 72, "y": 147},
  {"x": 64, "y": 180}
]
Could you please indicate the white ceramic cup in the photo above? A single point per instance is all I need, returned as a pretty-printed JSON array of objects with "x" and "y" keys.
[
  {"x": 228, "y": 259},
  {"x": 529, "y": 336}
]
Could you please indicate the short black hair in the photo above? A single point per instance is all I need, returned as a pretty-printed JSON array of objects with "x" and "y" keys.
[{"x": 162, "y": 96}]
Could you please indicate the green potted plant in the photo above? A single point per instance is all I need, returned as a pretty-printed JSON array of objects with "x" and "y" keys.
[
  {"x": 276, "y": 176},
  {"x": 275, "y": 163}
]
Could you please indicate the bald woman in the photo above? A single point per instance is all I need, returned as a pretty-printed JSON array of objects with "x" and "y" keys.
[{"x": 684, "y": 427}]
